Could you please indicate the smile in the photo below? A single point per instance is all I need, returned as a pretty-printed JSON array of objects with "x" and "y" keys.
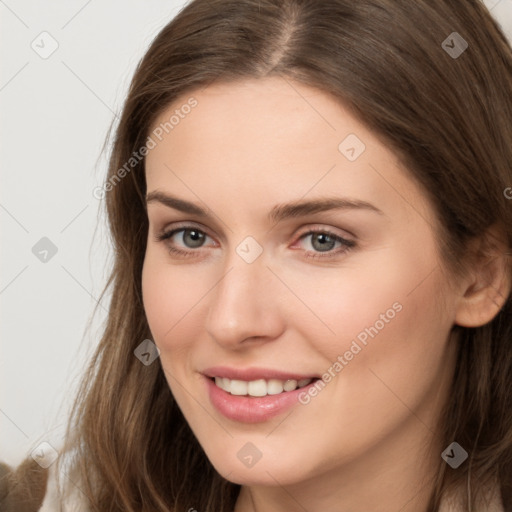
[
  {"x": 254, "y": 395},
  {"x": 259, "y": 387}
]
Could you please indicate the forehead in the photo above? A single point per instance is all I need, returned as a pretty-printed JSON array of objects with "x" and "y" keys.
[
  {"x": 262, "y": 110},
  {"x": 268, "y": 137}
]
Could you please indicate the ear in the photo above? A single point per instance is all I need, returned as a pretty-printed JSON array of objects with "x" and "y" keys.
[{"x": 488, "y": 284}]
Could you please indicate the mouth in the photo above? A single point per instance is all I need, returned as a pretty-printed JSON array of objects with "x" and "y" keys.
[
  {"x": 254, "y": 395},
  {"x": 259, "y": 387}
]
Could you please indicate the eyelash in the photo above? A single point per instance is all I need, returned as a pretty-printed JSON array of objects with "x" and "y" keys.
[{"x": 348, "y": 244}]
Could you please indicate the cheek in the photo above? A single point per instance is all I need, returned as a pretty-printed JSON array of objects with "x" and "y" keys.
[
  {"x": 391, "y": 369},
  {"x": 390, "y": 322},
  {"x": 173, "y": 297},
  {"x": 395, "y": 355},
  {"x": 171, "y": 300},
  {"x": 386, "y": 295}
]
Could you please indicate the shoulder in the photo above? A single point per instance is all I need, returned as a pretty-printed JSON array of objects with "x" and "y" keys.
[
  {"x": 63, "y": 494},
  {"x": 454, "y": 500},
  {"x": 22, "y": 488}
]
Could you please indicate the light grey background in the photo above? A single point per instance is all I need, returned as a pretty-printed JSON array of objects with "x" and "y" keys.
[{"x": 55, "y": 114}]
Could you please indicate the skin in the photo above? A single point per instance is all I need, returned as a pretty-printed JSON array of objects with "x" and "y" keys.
[{"x": 368, "y": 440}]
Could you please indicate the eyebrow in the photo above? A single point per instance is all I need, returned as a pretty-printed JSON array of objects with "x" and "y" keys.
[{"x": 278, "y": 213}]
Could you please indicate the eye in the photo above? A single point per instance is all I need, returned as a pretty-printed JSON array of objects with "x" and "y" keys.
[
  {"x": 324, "y": 241},
  {"x": 191, "y": 237}
]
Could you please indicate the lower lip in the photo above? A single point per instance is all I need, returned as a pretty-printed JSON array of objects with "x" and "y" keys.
[{"x": 247, "y": 409}]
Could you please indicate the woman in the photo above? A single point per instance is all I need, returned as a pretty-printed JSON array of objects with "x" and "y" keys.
[{"x": 311, "y": 297}]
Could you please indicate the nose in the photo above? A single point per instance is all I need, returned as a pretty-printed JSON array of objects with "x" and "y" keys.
[{"x": 245, "y": 305}]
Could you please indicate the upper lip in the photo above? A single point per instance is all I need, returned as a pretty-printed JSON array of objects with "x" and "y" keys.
[{"x": 254, "y": 373}]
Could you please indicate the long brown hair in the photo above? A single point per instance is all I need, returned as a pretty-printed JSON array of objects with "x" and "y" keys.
[{"x": 447, "y": 116}]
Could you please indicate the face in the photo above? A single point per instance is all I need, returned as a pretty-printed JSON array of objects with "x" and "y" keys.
[{"x": 288, "y": 247}]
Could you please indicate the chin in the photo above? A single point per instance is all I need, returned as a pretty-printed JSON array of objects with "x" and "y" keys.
[{"x": 267, "y": 471}]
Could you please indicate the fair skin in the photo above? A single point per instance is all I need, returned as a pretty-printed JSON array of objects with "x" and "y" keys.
[{"x": 368, "y": 440}]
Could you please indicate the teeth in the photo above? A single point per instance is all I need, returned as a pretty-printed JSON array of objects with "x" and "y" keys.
[
  {"x": 274, "y": 387},
  {"x": 257, "y": 388},
  {"x": 238, "y": 387},
  {"x": 290, "y": 385},
  {"x": 260, "y": 387},
  {"x": 226, "y": 384}
]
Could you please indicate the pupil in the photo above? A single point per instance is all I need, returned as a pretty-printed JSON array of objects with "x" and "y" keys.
[
  {"x": 196, "y": 237},
  {"x": 326, "y": 243}
]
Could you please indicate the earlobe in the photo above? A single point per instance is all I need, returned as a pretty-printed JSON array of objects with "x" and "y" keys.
[{"x": 488, "y": 288}]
